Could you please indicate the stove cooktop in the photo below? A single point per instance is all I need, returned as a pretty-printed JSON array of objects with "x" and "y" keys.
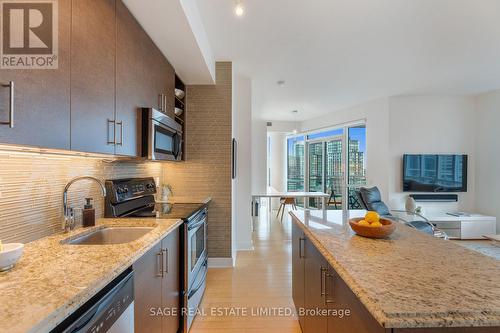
[{"x": 169, "y": 211}]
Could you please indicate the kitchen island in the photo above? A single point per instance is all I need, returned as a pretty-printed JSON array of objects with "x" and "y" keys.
[{"x": 410, "y": 282}]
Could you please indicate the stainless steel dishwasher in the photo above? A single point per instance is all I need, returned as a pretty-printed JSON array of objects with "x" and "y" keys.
[{"x": 111, "y": 310}]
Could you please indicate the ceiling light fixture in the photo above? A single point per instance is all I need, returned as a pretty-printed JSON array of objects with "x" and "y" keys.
[
  {"x": 239, "y": 10},
  {"x": 296, "y": 127}
]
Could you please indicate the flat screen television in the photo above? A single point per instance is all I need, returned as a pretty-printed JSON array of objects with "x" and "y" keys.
[{"x": 434, "y": 173}]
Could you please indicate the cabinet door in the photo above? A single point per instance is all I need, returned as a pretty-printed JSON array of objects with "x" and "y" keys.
[
  {"x": 93, "y": 43},
  {"x": 160, "y": 76},
  {"x": 342, "y": 298},
  {"x": 42, "y": 97},
  {"x": 171, "y": 282},
  {"x": 147, "y": 291},
  {"x": 315, "y": 270},
  {"x": 131, "y": 92},
  {"x": 298, "y": 281}
]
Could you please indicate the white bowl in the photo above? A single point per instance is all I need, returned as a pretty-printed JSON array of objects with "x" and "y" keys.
[
  {"x": 10, "y": 255},
  {"x": 179, "y": 93}
]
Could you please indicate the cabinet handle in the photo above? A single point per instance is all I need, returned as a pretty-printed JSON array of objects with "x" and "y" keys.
[
  {"x": 111, "y": 142},
  {"x": 301, "y": 242},
  {"x": 164, "y": 103},
  {"x": 120, "y": 123},
  {"x": 160, "y": 102},
  {"x": 166, "y": 261},
  {"x": 11, "y": 104},
  {"x": 322, "y": 271},
  {"x": 159, "y": 261},
  {"x": 329, "y": 276}
]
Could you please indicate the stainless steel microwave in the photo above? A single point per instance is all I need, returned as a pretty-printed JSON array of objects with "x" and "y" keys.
[{"x": 161, "y": 136}]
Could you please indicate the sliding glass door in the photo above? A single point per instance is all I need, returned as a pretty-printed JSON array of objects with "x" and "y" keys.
[
  {"x": 316, "y": 169},
  {"x": 334, "y": 178},
  {"x": 331, "y": 161},
  {"x": 356, "y": 171}
]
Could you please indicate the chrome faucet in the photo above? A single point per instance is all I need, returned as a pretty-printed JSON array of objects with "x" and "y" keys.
[{"x": 68, "y": 222}]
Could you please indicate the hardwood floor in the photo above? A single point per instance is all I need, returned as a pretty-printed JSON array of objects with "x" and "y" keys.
[{"x": 261, "y": 279}]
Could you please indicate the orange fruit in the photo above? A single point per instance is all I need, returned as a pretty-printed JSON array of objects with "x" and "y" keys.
[
  {"x": 376, "y": 224},
  {"x": 372, "y": 217},
  {"x": 363, "y": 222}
]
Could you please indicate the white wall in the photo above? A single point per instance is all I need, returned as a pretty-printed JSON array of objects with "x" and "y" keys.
[
  {"x": 277, "y": 162},
  {"x": 431, "y": 124},
  {"x": 242, "y": 187},
  {"x": 376, "y": 116},
  {"x": 488, "y": 155},
  {"x": 259, "y": 156},
  {"x": 411, "y": 124}
]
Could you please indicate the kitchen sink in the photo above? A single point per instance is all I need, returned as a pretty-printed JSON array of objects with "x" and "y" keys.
[{"x": 111, "y": 235}]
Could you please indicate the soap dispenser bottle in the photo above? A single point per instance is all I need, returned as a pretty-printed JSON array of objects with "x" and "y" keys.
[{"x": 88, "y": 216}]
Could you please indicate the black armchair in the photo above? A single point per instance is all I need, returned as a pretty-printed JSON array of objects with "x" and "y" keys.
[{"x": 371, "y": 199}]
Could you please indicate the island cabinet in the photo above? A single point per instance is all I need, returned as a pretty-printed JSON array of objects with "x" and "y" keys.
[
  {"x": 298, "y": 271},
  {"x": 318, "y": 292},
  {"x": 325, "y": 303},
  {"x": 340, "y": 298},
  {"x": 157, "y": 287}
]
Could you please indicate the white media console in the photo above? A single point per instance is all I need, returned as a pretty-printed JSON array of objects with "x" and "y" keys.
[{"x": 470, "y": 226}]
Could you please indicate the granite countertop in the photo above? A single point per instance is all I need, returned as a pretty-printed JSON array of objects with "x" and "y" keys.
[
  {"x": 187, "y": 200},
  {"x": 53, "y": 279},
  {"x": 411, "y": 279}
]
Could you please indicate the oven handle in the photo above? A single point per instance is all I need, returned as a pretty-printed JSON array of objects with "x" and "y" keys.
[
  {"x": 197, "y": 224},
  {"x": 177, "y": 143},
  {"x": 195, "y": 290}
]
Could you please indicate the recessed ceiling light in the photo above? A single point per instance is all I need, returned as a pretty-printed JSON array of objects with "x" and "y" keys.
[
  {"x": 239, "y": 10},
  {"x": 281, "y": 83}
]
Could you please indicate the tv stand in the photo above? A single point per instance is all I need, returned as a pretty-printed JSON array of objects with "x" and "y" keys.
[{"x": 464, "y": 226}]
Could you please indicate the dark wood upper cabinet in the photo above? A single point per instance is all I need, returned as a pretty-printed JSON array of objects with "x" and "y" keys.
[
  {"x": 93, "y": 44},
  {"x": 131, "y": 92},
  {"x": 42, "y": 97},
  {"x": 108, "y": 69},
  {"x": 142, "y": 74}
]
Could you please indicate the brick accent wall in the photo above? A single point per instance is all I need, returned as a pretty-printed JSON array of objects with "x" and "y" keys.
[{"x": 207, "y": 171}]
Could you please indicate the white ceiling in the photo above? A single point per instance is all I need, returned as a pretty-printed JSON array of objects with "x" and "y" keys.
[
  {"x": 176, "y": 28},
  {"x": 338, "y": 53}
]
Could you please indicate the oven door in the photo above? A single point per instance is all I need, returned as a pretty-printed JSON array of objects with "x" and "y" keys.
[
  {"x": 196, "y": 252},
  {"x": 164, "y": 143}
]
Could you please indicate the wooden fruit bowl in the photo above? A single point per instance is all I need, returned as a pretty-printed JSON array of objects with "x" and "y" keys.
[{"x": 384, "y": 231}]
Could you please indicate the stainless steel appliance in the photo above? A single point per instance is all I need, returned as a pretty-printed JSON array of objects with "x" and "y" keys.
[
  {"x": 111, "y": 310},
  {"x": 134, "y": 197},
  {"x": 195, "y": 264},
  {"x": 161, "y": 136}
]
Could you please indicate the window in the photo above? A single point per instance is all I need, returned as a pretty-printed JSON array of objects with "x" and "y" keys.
[
  {"x": 356, "y": 169},
  {"x": 331, "y": 161},
  {"x": 295, "y": 164},
  {"x": 357, "y": 156}
]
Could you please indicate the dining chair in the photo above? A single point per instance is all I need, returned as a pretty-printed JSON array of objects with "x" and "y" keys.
[{"x": 283, "y": 202}]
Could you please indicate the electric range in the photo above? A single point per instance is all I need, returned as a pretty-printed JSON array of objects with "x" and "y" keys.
[{"x": 134, "y": 198}]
